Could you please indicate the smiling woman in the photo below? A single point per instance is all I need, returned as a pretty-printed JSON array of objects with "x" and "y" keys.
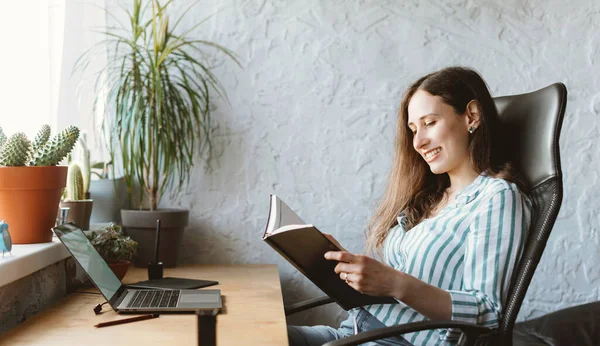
[
  {"x": 442, "y": 138},
  {"x": 435, "y": 125},
  {"x": 450, "y": 226}
]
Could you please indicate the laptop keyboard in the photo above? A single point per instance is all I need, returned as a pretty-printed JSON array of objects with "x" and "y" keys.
[{"x": 154, "y": 299}]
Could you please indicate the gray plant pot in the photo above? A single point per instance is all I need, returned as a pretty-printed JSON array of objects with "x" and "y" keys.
[
  {"x": 140, "y": 225},
  {"x": 108, "y": 200}
]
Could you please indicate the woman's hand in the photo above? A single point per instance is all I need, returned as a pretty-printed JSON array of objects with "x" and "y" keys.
[
  {"x": 334, "y": 241},
  {"x": 367, "y": 275}
]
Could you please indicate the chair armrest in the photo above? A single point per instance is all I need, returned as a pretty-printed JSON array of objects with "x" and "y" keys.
[
  {"x": 470, "y": 332},
  {"x": 307, "y": 304}
]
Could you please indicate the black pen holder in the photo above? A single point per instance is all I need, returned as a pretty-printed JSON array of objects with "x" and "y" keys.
[{"x": 155, "y": 271}]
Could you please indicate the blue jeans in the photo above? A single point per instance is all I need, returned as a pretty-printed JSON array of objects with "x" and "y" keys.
[{"x": 318, "y": 335}]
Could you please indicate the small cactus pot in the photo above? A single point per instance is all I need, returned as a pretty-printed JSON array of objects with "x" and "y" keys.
[
  {"x": 29, "y": 199},
  {"x": 79, "y": 212}
]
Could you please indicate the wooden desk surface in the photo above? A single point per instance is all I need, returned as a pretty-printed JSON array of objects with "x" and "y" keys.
[{"x": 253, "y": 314}]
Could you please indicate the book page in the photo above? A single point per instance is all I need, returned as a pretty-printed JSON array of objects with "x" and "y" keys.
[
  {"x": 288, "y": 228},
  {"x": 281, "y": 215},
  {"x": 287, "y": 215}
]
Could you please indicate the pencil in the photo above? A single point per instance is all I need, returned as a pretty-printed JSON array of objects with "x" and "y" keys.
[{"x": 126, "y": 320}]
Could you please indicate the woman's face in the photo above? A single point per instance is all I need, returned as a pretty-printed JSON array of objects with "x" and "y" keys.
[{"x": 440, "y": 136}]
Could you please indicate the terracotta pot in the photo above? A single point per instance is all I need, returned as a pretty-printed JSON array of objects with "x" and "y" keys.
[
  {"x": 29, "y": 199},
  {"x": 79, "y": 212},
  {"x": 120, "y": 268},
  {"x": 140, "y": 225}
]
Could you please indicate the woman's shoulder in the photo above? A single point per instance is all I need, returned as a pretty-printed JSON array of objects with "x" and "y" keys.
[
  {"x": 492, "y": 186},
  {"x": 495, "y": 192}
]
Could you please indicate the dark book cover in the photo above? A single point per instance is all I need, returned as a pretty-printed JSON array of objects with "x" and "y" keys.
[{"x": 304, "y": 246}]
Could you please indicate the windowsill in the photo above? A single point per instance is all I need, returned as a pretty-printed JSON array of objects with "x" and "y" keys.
[{"x": 27, "y": 259}]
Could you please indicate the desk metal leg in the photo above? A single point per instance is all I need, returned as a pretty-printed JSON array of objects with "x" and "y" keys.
[{"x": 207, "y": 327}]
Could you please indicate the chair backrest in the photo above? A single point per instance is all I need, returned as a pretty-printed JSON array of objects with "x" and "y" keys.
[{"x": 534, "y": 122}]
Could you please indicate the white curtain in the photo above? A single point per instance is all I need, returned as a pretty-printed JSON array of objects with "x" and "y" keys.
[
  {"x": 74, "y": 26},
  {"x": 41, "y": 41},
  {"x": 24, "y": 68}
]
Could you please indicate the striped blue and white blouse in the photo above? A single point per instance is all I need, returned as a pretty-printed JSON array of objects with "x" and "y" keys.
[{"x": 469, "y": 249}]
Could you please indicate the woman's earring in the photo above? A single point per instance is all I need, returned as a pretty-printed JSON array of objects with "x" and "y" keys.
[{"x": 471, "y": 129}]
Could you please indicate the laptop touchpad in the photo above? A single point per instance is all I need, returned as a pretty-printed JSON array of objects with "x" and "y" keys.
[{"x": 199, "y": 298}]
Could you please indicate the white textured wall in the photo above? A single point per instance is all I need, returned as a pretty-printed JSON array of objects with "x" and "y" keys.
[{"x": 312, "y": 113}]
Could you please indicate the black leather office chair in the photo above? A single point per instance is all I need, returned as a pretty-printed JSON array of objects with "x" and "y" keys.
[
  {"x": 534, "y": 122},
  {"x": 577, "y": 325}
]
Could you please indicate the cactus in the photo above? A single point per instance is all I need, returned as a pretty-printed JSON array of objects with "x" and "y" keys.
[
  {"x": 56, "y": 148},
  {"x": 86, "y": 169},
  {"x": 74, "y": 189},
  {"x": 2, "y": 138},
  {"x": 15, "y": 151},
  {"x": 40, "y": 139},
  {"x": 42, "y": 152}
]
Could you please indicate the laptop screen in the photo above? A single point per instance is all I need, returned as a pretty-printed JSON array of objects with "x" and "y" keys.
[{"x": 89, "y": 259}]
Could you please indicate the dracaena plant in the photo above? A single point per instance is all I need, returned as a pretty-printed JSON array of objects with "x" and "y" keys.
[{"x": 156, "y": 90}]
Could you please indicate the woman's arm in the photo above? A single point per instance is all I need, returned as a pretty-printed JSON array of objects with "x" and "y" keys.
[
  {"x": 370, "y": 276},
  {"x": 494, "y": 244},
  {"x": 431, "y": 301}
]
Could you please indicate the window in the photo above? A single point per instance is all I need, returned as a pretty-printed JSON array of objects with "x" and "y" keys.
[
  {"x": 39, "y": 47},
  {"x": 25, "y": 68}
]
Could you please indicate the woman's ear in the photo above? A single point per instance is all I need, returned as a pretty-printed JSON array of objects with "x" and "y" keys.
[{"x": 473, "y": 114}]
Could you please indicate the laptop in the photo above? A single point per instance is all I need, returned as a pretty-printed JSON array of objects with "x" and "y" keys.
[{"x": 124, "y": 299}]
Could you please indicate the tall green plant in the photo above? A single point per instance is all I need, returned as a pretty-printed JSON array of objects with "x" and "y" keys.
[{"x": 158, "y": 86}]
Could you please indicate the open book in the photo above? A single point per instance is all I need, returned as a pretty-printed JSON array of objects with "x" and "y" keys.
[{"x": 304, "y": 246}]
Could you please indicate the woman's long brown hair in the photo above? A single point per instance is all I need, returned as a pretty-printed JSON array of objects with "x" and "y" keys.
[{"x": 412, "y": 188}]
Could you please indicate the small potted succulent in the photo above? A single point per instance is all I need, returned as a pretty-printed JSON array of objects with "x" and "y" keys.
[
  {"x": 116, "y": 248},
  {"x": 80, "y": 207},
  {"x": 31, "y": 182}
]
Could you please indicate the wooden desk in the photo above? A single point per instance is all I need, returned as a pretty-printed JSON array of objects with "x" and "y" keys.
[{"x": 253, "y": 314}]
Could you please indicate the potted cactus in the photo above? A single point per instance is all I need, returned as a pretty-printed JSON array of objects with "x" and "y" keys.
[
  {"x": 86, "y": 169},
  {"x": 31, "y": 182},
  {"x": 80, "y": 207}
]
